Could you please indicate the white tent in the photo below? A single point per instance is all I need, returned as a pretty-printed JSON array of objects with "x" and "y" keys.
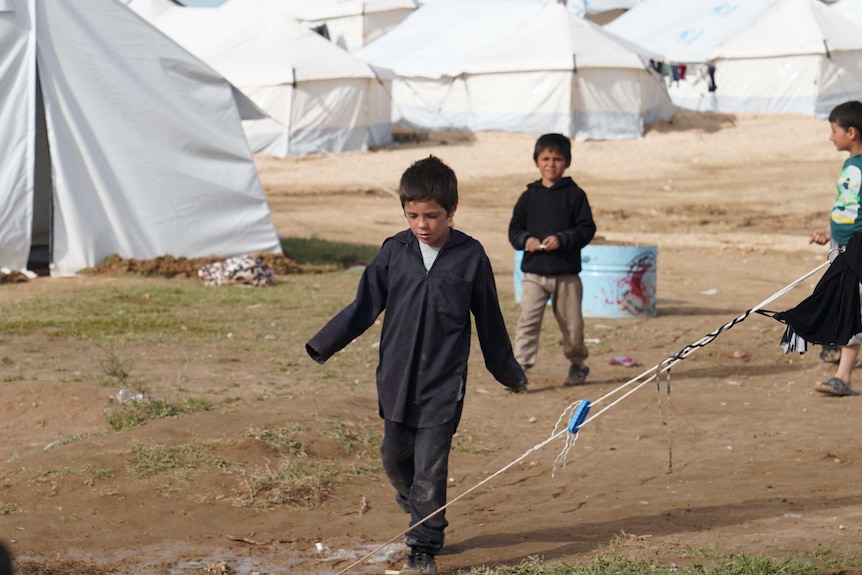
[
  {"x": 577, "y": 6},
  {"x": 150, "y": 9},
  {"x": 597, "y": 6},
  {"x": 686, "y": 31},
  {"x": 851, "y": 9},
  {"x": 351, "y": 24},
  {"x": 598, "y": 11},
  {"x": 478, "y": 66},
  {"x": 117, "y": 141},
  {"x": 768, "y": 56},
  {"x": 801, "y": 57},
  {"x": 603, "y": 11},
  {"x": 318, "y": 97}
]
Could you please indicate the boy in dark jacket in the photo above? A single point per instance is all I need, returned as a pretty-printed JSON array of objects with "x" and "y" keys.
[
  {"x": 429, "y": 279},
  {"x": 551, "y": 222}
]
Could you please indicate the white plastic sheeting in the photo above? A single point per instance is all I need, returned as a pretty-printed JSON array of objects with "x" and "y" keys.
[
  {"x": 478, "y": 66},
  {"x": 318, "y": 97},
  {"x": 351, "y": 24},
  {"x": 597, "y": 6},
  {"x": 579, "y": 7},
  {"x": 769, "y": 56},
  {"x": 686, "y": 31},
  {"x": 802, "y": 57},
  {"x": 147, "y": 155},
  {"x": 851, "y": 9}
]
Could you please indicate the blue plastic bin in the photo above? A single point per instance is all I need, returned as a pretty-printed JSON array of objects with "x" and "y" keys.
[{"x": 619, "y": 281}]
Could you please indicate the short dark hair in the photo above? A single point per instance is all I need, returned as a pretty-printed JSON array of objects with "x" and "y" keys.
[
  {"x": 556, "y": 143},
  {"x": 848, "y": 115},
  {"x": 429, "y": 179}
]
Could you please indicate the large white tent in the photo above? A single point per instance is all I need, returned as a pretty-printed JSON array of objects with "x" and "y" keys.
[
  {"x": 577, "y": 6},
  {"x": 351, "y": 24},
  {"x": 801, "y": 56},
  {"x": 851, "y": 9},
  {"x": 150, "y": 9},
  {"x": 318, "y": 97},
  {"x": 686, "y": 31},
  {"x": 117, "y": 141},
  {"x": 479, "y": 66},
  {"x": 597, "y": 6},
  {"x": 767, "y": 56},
  {"x": 603, "y": 11},
  {"x": 597, "y": 11}
]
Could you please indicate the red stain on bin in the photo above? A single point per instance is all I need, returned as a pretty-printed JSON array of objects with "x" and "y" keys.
[
  {"x": 635, "y": 295},
  {"x": 619, "y": 280}
]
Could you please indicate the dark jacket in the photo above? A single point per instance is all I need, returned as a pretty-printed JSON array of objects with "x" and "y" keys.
[
  {"x": 831, "y": 314},
  {"x": 425, "y": 341},
  {"x": 561, "y": 210}
]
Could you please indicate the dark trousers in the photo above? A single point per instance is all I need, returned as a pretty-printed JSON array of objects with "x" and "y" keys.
[{"x": 416, "y": 461}]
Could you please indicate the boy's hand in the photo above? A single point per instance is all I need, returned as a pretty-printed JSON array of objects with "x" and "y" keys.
[
  {"x": 551, "y": 243},
  {"x": 533, "y": 245},
  {"x": 820, "y": 237}
]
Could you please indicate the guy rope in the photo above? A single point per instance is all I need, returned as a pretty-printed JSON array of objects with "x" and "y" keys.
[{"x": 580, "y": 409}]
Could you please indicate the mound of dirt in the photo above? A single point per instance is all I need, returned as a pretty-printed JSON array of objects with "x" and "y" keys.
[
  {"x": 13, "y": 277},
  {"x": 170, "y": 267}
]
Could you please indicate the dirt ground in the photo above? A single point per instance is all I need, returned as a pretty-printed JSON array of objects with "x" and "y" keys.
[{"x": 761, "y": 463}]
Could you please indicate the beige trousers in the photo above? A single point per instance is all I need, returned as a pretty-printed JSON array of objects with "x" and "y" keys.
[{"x": 566, "y": 293}]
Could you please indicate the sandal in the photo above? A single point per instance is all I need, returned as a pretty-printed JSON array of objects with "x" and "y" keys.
[
  {"x": 577, "y": 375},
  {"x": 834, "y": 386}
]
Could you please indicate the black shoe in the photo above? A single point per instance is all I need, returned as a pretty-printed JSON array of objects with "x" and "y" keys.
[
  {"x": 577, "y": 375},
  {"x": 420, "y": 563}
]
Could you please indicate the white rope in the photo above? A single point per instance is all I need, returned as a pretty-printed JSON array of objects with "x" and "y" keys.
[
  {"x": 672, "y": 360},
  {"x": 571, "y": 438},
  {"x": 650, "y": 375}
]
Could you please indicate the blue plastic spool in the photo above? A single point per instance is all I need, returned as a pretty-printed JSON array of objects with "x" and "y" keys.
[{"x": 579, "y": 416}]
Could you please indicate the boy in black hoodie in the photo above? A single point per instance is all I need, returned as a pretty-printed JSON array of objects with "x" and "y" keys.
[{"x": 551, "y": 222}]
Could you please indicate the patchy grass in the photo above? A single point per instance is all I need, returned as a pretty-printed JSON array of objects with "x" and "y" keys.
[
  {"x": 282, "y": 437},
  {"x": 115, "y": 368},
  {"x": 728, "y": 565},
  {"x": 147, "y": 460},
  {"x": 288, "y": 485},
  {"x": 91, "y": 473},
  {"x": 359, "y": 441},
  {"x": 301, "y": 480},
  {"x": 323, "y": 253},
  {"x": 148, "y": 312},
  {"x": 471, "y": 445},
  {"x": 137, "y": 412}
]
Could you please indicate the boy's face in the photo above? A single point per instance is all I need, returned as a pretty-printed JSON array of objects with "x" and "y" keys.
[
  {"x": 551, "y": 166},
  {"x": 429, "y": 222},
  {"x": 843, "y": 139}
]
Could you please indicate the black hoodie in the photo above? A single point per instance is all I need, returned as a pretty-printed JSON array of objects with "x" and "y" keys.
[{"x": 561, "y": 210}]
